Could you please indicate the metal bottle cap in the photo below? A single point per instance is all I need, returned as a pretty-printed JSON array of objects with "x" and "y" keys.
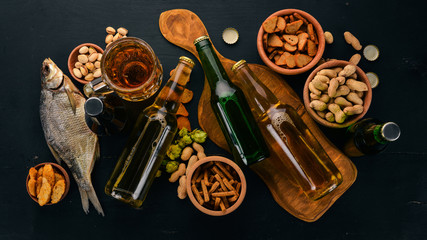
[
  {"x": 187, "y": 59},
  {"x": 94, "y": 106},
  {"x": 237, "y": 65},
  {"x": 390, "y": 131},
  {"x": 230, "y": 35},
  {"x": 199, "y": 39}
]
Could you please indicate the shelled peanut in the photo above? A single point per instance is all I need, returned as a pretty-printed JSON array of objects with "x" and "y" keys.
[
  {"x": 113, "y": 35},
  {"x": 336, "y": 93},
  {"x": 215, "y": 185},
  {"x": 290, "y": 41},
  {"x": 88, "y": 65}
]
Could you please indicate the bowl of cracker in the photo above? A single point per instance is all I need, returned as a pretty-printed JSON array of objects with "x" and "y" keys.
[{"x": 290, "y": 41}]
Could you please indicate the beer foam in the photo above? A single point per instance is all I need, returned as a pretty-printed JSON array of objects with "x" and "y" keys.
[{"x": 277, "y": 120}]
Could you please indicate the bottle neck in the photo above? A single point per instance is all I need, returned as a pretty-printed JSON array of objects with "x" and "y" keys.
[
  {"x": 169, "y": 97},
  {"x": 212, "y": 67},
  {"x": 261, "y": 98}
]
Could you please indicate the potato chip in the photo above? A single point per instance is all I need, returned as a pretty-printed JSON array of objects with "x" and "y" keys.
[
  {"x": 183, "y": 122},
  {"x": 187, "y": 96},
  {"x": 182, "y": 111}
]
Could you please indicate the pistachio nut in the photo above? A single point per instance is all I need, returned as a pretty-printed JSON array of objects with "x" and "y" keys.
[
  {"x": 93, "y": 57},
  {"x": 82, "y": 58},
  {"x": 109, "y": 38},
  {"x": 92, "y": 50},
  {"x": 97, "y": 73},
  {"x": 89, "y": 77},
  {"x": 78, "y": 64},
  {"x": 97, "y": 64},
  {"x": 110, "y": 30},
  {"x": 123, "y": 31},
  {"x": 77, "y": 73},
  {"x": 90, "y": 66},
  {"x": 83, "y": 50},
  {"x": 84, "y": 70}
]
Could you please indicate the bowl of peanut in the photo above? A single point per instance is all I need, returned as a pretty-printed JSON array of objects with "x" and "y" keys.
[
  {"x": 84, "y": 62},
  {"x": 337, "y": 94},
  {"x": 290, "y": 41},
  {"x": 216, "y": 185}
]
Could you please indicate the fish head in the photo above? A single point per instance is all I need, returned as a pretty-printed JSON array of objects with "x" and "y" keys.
[{"x": 51, "y": 76}]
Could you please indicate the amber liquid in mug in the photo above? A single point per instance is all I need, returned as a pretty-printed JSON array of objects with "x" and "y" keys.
[{"x": 131, "y": 69}]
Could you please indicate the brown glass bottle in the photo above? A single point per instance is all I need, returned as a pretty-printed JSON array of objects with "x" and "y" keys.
[
  {"x": 151, "y": 136},
  {"x": 300, "y": 154},
  {"x": 370, "y": 136}
]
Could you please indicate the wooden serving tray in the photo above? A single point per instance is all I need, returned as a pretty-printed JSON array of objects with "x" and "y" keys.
[{"x": 181, "y": 27}]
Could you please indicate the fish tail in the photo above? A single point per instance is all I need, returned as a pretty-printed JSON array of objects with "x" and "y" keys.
[
  {"x": 87, "y": 195},
  {"x": 85, "y": 200}
]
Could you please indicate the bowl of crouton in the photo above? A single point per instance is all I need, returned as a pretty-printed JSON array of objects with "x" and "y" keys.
[
  {"x": 47, "y": 183},
  {"x": 290, "y": 42}
]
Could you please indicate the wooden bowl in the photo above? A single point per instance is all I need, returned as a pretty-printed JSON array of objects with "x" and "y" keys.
[
  {"x": 227, "y": 162},
  {"x": 361, "y": 76},
  {"x": 72, "y": 59},
  {"x": 59, "y": 169},
  {"x": 294, "y": 71}
]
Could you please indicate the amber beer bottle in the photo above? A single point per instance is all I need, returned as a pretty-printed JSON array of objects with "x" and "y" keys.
[
  {"x": 151, "y": 136},
  {"x": 231, "y": 109},
  {"x": 301, "y": 156},
  {"x": 370, "y": 136}
]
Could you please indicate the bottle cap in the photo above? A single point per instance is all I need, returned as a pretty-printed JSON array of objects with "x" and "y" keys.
[
  {"x": 230, "y": 35},
  {"x": 199, "y": 39},
  {"x": 371, "y": 52},
  {"x": 237, "y": 65},
  {"x": 94, "y": 106},
  {"x": 373, "y": 79},
  {"x": 390, "y": 131},
  {"x": 187, "y": 59}
]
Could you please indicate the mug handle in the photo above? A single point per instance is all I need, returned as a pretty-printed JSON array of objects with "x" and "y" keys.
[{"x": 96, "y": 87}]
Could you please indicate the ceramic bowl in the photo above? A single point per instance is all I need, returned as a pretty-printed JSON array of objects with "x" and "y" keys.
[
  {"x": 72, "y": 59},
  {"x": 361, "y": 76},
  {"x": 226, "y": 162},
  {"x": 294, "y": 71},
  {"x": 58, "y": 169}
]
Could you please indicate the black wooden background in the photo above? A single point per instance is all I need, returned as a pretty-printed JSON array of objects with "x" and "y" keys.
[{"x": 387, "y": 201}]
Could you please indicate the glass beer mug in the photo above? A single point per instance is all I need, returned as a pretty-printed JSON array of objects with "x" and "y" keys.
[{"x": 129, "y": 68}]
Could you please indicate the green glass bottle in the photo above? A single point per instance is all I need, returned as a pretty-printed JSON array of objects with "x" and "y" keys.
[
  {"x": 370, "y": 136},
  {"x": 149, "y": 140},
  {"x": 231, "y": 109},
  {"x": 298, "y": 153}
]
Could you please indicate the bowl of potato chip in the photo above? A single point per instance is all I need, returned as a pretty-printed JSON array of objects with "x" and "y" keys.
[
  {"x": 47, "y": 183},
  {"x": 290, "y": 41}
]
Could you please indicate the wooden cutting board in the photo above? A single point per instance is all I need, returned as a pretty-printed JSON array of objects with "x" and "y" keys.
[{"x": 181, "y": 27}]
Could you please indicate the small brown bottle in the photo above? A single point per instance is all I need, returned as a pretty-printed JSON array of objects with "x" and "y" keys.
[{"x": 370, "y": 136}]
